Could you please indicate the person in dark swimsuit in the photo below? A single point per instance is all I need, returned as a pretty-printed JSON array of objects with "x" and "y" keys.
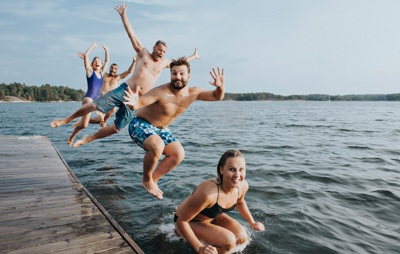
[
  {"x": 94, "y": 76},
  {"x": 201, "y": 218}
]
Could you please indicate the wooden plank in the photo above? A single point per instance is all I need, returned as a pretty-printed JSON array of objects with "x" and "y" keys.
[
  {"x": 87, "y": 244},
  {"x": 45, "y": 209},
  {"x": 58, "y": 231},
  {"x": 49, "y": 211}
]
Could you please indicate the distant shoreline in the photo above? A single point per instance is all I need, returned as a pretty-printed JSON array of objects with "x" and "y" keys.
[
  {"x": 18, "y": 92},
  {"x": 14, "y": 99},
  {"x": 260, "y": 97}
]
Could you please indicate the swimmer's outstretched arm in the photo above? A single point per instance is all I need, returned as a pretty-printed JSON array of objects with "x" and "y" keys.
[{"x": 243, "y": 209}]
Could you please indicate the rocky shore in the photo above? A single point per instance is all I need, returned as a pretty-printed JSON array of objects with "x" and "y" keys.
[{"x": 13, "y": 99}]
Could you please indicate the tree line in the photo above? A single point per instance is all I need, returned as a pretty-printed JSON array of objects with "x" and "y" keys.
[
  {"x": 311, "y": 97},
  {"x": 46, "y": 93}
]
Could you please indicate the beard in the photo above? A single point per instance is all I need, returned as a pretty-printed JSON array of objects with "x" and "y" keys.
[{"x": 179, "y": 85}]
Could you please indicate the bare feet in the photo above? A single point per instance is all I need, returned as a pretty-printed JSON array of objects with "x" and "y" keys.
[
  {"x": 100, "y": 115},
  {"x": 58, "y": 122},
  {"x": 153, "y": 189},
  {"x": 70, "y": 139},
  {"x": 83, "y": 141}
]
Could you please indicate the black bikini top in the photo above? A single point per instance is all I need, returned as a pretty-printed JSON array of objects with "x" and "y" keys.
[{"x": 216, "y": 210}]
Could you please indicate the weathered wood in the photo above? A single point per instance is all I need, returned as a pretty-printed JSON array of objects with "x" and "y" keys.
[{"x": 45, "y": 209}]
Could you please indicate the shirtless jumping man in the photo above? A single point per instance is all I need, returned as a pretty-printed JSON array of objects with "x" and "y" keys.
[
  {"x": 146, "y": 72},
  {"x": 156, "y": 110}
]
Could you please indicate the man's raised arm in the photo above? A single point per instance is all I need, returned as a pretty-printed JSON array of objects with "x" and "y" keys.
[
  {"x": 137, "y": 45},
  {"x": 219, "y": 92},
  {"x": 106, "y": 59},
  {"x": 194, "y": 56},
  {"x": 129, "y": 71}
]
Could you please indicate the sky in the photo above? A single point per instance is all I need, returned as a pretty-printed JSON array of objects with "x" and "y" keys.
[{"x": 284, "y": 47}]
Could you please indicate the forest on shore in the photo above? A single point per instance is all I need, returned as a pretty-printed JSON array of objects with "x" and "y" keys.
[
  {"x": 47, "y": 93},
  {"x": 44, "y": 93}
]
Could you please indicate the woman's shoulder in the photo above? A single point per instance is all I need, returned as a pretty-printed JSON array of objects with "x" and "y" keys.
[
  {"x": 207, "y": 187},
  {"x": 89, "y": 72},
  {"x": 208, "y": 182},
  {"x": 244, "y": 187},
  {"x": 245, "y": 184}
]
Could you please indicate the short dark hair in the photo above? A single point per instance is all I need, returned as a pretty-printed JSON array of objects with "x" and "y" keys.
[
  {"x": 178, "y": 62},
  {"x": 161, "y": 42}
]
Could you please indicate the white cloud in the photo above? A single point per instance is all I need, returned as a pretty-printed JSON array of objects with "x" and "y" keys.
[{"x": 31, "y": 9}]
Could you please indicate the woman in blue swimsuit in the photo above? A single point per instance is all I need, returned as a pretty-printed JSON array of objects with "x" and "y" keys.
[
  {"x": 201, "y": 218},
  {"x": 94, "y": 76}
]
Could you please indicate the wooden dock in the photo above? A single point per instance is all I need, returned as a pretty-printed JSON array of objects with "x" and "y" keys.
[{"x": 45, "y": 209}]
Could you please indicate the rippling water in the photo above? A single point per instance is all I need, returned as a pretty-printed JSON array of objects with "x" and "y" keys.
[{"x": 324, "y": 176}]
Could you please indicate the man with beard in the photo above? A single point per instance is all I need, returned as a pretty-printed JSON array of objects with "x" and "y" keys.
[
  {"x": 147, "y": 70},
  {"x": 156, "y": 110}
]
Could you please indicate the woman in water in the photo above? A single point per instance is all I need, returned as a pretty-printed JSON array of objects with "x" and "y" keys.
[
  {"x": 94, "y": 76},
  {"x": 201, "y": 218}
]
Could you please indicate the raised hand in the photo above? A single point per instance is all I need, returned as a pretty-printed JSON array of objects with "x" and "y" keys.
[
  {"x": 131, "y": 98},
  {"x": 121, "y": 9},
  {"x": 80, "y": 55},
  {"x": 196, "y": 55},
  {"x": 218, "y": 77}
]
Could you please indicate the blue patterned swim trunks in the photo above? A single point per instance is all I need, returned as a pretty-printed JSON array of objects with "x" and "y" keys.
[{"x": 139, "y": 129}]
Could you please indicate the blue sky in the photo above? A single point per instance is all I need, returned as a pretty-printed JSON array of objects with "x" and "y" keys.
[{"x": 283, "y": 47}]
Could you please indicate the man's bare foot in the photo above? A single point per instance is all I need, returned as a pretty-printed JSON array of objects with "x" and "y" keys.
[
  {"x": 77, "y": 123},
  {"x": 58, "y": 122},
  {"x": 83, "y": 141},
  {"x": 153, "y": 189},
  {"x": 100, "y": 115},
  {"x": 156, "y": 183},
  {"x": 70, "y": 140}
]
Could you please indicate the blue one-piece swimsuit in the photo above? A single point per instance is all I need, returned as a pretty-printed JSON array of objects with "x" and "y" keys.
[{"x": 94, "y": 86}]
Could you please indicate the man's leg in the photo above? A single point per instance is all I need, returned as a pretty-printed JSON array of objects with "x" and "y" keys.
[
  {"x": 107, "y": 116},
  {"x": 154, "y": 147},
  {"x": 101, "y": 133},
  {"x": 174, "y": 154},
  {"x": 93, "y": 120},
  {"x": 84, "y": 123},
  {"x": 84, "y": 110}
]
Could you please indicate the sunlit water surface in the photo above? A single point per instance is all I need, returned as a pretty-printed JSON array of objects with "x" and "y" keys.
[{"x": 324, "y": 176}]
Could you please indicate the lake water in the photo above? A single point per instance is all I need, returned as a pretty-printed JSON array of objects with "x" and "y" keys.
[{"x": 324, "y": 176}]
